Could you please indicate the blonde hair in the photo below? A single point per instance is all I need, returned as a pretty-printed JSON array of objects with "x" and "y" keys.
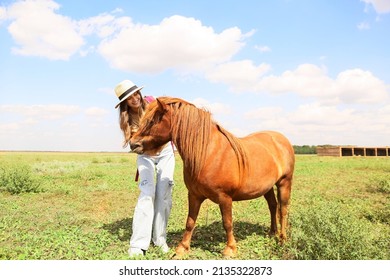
[{"x": 128, "y": 120}]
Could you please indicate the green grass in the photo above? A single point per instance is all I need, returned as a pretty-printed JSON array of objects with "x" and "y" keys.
[{"x": 79, "y": 206}]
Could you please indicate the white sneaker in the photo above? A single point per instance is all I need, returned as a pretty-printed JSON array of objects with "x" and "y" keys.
[
  {"x": 135, "y": 252},
  {"x": 164, "y": 248}
]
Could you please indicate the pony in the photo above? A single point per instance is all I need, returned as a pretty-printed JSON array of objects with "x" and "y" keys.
[{"x": 218, "y": 165}]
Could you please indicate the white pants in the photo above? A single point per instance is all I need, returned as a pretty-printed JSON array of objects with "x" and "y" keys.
[{"x": 155, "y": 200}]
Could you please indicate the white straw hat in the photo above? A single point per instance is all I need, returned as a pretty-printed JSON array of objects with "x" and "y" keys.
[{"x": 124, "y": 89}]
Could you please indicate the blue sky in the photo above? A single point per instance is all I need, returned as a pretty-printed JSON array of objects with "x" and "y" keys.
[{"x": 317, "y": 71}]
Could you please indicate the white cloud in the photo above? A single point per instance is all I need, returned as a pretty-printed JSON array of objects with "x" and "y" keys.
[
  {"x": 264, "y": 113},
  {"x": 107, "y": 90},
  {"x": 363, "y": 25},
  {"x": 155, "y": 48},
  {"x": 359, "y": 86},
  {"x": 239, "y": 75},
  {"x": 306, "y": 80},
  {"x": 103, "y": 25},
  {"x": 39, "y": 31},
  {"x": 311, "y": 81},
  {"x": 3, "y": 14},
  {"x": 214, "y": 108},
  {"x": 57, "y": 128},
  {"x": 96, "y": 112},
  {"x": 46, "y": 112},
  {"x": 317, "y": 114},
  {"x": 316, "y": 124},
  {"x": 380, "y": 6},
  {"x": 9, "y": 127},
  {"x": 263, "y": 49}
]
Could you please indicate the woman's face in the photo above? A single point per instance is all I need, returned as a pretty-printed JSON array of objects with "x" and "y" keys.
[{"x": 134, "y": 101}]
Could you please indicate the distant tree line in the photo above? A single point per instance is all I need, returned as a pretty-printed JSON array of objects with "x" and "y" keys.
[{"x": 305, "y": 149}]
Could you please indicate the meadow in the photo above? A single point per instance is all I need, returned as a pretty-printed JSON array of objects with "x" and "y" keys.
[{"x": 72, "y": 206}]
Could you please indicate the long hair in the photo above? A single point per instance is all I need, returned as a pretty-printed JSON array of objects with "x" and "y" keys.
[{"x": 129, "y": 121}]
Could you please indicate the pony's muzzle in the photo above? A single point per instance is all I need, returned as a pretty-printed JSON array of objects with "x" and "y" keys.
[{"x": 136, "y": 147}]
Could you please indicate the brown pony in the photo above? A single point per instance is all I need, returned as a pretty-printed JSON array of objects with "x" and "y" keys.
[{"x": 218, "y": 165}]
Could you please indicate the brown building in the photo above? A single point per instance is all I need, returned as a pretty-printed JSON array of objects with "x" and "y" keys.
[{"x": 345, "y": 151}]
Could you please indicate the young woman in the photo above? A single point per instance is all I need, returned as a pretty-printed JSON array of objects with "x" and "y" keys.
[{"x": 155, "y": 173}]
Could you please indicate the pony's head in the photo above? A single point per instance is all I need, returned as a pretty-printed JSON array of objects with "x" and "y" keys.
[{"x": 154, "y": 130}]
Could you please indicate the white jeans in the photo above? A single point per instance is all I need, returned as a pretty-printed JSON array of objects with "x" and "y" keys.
[{"x": 155, "y": 199}]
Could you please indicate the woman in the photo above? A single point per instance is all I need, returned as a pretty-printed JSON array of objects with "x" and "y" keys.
[{"x": 156, "y": 176}]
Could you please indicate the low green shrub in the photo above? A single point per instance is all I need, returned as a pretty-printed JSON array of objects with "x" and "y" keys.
[
  {"x": 328, "y": 231},
  {"x": 384, "y": 186},
  {"x": 18, "y": 179},
  {"x": 379, "y": 184}
]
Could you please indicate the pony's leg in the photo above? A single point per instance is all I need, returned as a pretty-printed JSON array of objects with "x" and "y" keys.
[
  {"x": 194, "y": 204},
  {"x": 272, "y": 205},
  {"x": 225, "y": 205},
  {"x": 284, "y": 193}
]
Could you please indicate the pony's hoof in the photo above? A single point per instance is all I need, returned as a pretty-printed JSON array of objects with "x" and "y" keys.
[
  {"x": 176, "y": 257},
  {"x": 229, "y": 252},
  {"x": 282, "y": 238},
  {"x": 180, "y": 252},
  {"x": 272, "y": 233}
]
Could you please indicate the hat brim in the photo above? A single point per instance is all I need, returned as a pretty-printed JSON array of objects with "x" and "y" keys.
[{"x": 127, "y": 95}]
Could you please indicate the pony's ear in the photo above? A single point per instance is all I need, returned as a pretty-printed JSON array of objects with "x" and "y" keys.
[{"x": 162, "y": 106}]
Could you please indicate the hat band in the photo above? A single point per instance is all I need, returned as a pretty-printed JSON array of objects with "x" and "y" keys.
[{"x": 127, "y": 91}]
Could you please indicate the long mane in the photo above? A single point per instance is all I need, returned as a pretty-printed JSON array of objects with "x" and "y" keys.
[{"x": 191, "y": 132}]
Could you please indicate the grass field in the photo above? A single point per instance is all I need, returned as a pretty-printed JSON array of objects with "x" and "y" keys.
[{"x": 79, "y": 206}]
